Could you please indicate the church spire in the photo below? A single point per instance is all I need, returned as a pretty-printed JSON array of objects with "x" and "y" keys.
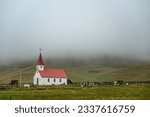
[
  {"x": 40, "y": 60},
  {"x": 40, "y": 63}
]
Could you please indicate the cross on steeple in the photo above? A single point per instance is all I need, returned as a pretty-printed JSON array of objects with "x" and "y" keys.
[{"x": 40, "y": 50}]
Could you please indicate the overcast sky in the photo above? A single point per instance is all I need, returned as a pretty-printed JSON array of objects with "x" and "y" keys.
[{"x": 74, "y": 28}]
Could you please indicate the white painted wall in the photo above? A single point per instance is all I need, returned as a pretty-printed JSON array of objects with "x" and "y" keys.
[
  {"x": 36, "y": 75},
  {"x": 40, "y": 67},
  {"x": 45, "y": 81}
]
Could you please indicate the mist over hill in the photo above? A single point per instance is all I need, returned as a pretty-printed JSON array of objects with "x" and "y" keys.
[
  {"x": 65, "y": 62},
  {"x": 74, "y": 29}
]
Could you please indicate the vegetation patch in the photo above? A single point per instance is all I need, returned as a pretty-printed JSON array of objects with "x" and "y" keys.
[{"x": 77, "y": 93}]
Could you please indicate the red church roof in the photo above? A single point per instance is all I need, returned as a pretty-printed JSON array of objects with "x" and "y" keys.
[
  {"x": 40, "y": 60},
  {"x": 55, "y": 73}
]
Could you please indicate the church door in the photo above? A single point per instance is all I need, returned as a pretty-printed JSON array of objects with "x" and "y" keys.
[{"x": 37, "y": 81}]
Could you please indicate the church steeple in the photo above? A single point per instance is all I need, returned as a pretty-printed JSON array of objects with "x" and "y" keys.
[
  {"x": 40, "y": 63},
  {"x": 40, "y": 60}
]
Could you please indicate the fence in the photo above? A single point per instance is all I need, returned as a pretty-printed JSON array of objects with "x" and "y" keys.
[
  {"x": 147, "y": 83},
  {"x": 113, "y": 83}
]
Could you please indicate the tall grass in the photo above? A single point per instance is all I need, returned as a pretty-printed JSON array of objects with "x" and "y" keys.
[{"x": 77, "y": 93}]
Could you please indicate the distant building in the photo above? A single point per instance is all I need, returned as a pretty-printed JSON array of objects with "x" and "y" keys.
[{"x": 48, "y": 76}]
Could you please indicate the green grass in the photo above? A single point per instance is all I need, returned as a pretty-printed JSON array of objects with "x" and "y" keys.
[
  {"x": 14, "y": 74},
  {"x": 128, "y": 73},
  {"x": 104, "y": 71},
  {"x": 83, "y": 74},
  {"x": 77, "y": 93}
]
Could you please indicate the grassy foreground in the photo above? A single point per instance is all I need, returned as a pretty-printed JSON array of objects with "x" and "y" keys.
[{"x": 77, "y": 93}]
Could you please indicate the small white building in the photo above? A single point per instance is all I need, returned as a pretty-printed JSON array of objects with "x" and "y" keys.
[{"x": 48, "y": 76}]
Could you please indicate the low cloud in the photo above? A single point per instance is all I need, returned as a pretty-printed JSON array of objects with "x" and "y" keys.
[{"x": 74, "y": 29}]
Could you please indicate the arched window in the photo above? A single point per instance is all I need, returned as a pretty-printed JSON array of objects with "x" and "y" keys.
[{"x": 60, "y": 80}]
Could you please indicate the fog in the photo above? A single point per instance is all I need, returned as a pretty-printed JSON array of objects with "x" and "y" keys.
[{"x": 74, "y": 28}]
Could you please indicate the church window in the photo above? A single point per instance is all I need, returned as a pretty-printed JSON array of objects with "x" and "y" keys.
[
  {"x": 60, "y": 80},
  {"x": 48, "y": 80},
  {"x": 54, "y": 80}
]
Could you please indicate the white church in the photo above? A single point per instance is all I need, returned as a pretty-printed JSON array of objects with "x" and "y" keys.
[{"x": 48, "y": 76}]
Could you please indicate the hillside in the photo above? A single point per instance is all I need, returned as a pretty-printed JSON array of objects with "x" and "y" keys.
[
  {"x": 83, "y": 70},
  {"x": 139, "y": 72}
]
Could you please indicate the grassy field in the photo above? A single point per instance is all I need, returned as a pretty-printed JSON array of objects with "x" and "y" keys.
[
  {"x": 77, "y": 93},
  {"x": 81, "y": 71}
]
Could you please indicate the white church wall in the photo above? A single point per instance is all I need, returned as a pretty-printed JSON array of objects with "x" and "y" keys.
[
  {"x": 53, "y": 81},
  {"x": 40, "y": 67},
  {"x": 38, "y": 80}
]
